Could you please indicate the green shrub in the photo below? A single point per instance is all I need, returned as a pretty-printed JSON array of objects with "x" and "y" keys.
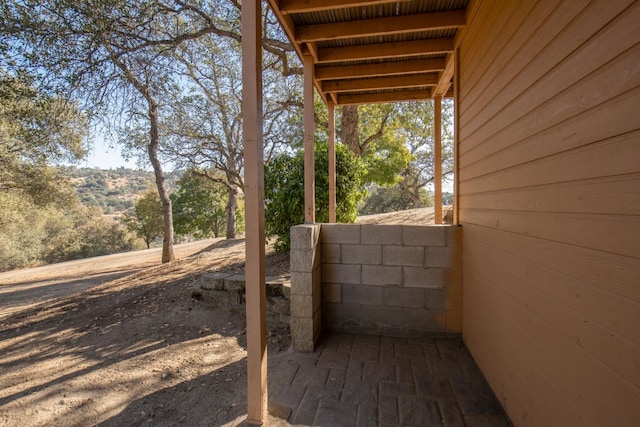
[{"x": 284, "y": 190}]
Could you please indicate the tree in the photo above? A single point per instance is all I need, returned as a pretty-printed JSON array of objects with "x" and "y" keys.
[
  {"x": 199, "y": 206},
  {"x": 205, "y": 126},
  {"x": 36, "y": 129},
  {"x": 415, "y": 128},
  {"x": 146, "y": 220},
  {"x": 284, "y": 190},
  {"x": 109, "y": 53}
]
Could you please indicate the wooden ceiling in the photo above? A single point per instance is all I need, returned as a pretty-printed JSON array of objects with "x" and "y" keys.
[{"x": 375, "y": 51}]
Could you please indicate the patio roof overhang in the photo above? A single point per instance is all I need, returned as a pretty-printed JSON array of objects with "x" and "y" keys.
[{"x": 375, "y": 51}]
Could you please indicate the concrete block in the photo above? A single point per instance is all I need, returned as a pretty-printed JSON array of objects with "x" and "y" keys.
[
  {"x": 362, "y": 254},
  {"x": 453, "y": 235},
  {"x": 213, "y": 281},
  {"x": 439, "y": 256},
  {"x": 403, "y": 297},
  {"x": 301, "y": 283},
  {"x": 339, "y": 315},
  {"x": 316, "y": 276},
  {"x": 301, "y": 260},
  {"x": 317, "y": 297},
  {"x": 424, "y": 320},
  {"x": 382, "y": 234},
  {"x": 403, "y": 255},
  {"x": 304, "y": 236},
  {"x": 360, "y": 294},
  {"x": 340, "y": 273},
  {"x": 332, "y": 292},
  {"x": 303, "y": 346},
  {"x": 423, "y": 235},
  {"x": 317, "y": 325},
  {"x": 436, "y": 299},
  {"x": 302, "y": 305},
  {"x": 381, "y": 275},
  {"x": 381, "y": 318},
  {"x": 301, "y": 328},
  {"x": 330, "y": 253},
  {"x": 340, "y": 233},
  {"x": 234, "y": 283},
  {"x": 416, "y": 277}
]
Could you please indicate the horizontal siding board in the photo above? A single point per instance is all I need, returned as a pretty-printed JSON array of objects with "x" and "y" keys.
[
  {"x": 613, "y": 79},
  {"x": 616, "y": 156},
  {"x": 500, "y": 20},
  {"x": 538, "y": 29},
  {"x": 609, "y": 272},
  {"x": 558, "y": 65},
  {"x": 615, "y": 234},
  {"x": 558, "y": 364},
  {"x": 618, "y": 195},
  {"x": 511, "y": 368},
  {"x": 604, "y": 324},
  {"x": 614, "y": 117}
]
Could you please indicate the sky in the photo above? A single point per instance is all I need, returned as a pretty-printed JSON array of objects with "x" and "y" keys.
[{"x": 104, "y": 157}]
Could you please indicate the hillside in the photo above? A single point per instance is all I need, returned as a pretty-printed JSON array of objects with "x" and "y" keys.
[{"x": 114, "y": 190}]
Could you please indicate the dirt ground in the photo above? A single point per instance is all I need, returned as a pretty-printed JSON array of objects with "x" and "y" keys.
[
  {"x": 134, "y": 350},
  {"x": 118, "y": 340}
]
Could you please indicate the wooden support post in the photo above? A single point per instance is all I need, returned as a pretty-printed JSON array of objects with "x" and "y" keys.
[
  {"x": 456, "y": 136},
  {"x": 332, "y": 162},
  {"x": 254, "y": 211},
  {"x": 437, "y": 159},
  {"x": 309, "y": 131}
]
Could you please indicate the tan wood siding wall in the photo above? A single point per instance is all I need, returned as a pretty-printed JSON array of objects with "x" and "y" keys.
[{"x": 549, "y": 198}]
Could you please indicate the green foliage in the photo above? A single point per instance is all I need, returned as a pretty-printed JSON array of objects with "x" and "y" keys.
[
  {"x": 199, "y": 206},
  {"x": 35, "y": 130},
  {"x": 31, "y": 234},
  {"x": 391, "y": 199},
  {"x": 284, "y": 190},
  {"x": 384, "y": 159},
  {"x": 146, "y": 220}
]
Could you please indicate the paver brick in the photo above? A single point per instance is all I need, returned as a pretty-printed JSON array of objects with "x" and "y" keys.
[
  {"x": 416, "y": 411},
  {"x": 336, "y": 414}
]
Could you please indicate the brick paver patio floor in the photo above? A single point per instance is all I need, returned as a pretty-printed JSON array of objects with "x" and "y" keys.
[{"x": 363, "y": 380}]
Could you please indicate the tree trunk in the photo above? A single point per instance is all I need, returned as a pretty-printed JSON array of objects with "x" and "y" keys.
[
  {"x": 167, "y": 215},
  {"x": 349, "y": 132},
  {"x": 230, "y": 212}
]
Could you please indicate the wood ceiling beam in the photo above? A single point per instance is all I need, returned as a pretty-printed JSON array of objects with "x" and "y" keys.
[
  {"x": 444, "y": 79},
  {"x": 379, "y": 98},
  {"x": 385, "y": 50},
  {"x": 380, "y": 83},
  {"x": 383, "y": 69},
  {"x": 307, "y": 6},
  {"x": 381, "y": 26}
]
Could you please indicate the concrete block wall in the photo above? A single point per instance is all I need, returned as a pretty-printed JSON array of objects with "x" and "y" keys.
[
  {"x": 306, "y": 287},
  {"x": 391, "y": 279}
]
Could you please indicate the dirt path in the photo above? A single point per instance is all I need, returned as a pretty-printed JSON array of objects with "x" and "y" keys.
[
  {"x": 22, "y": 287},
  {"x": 132, "y": 349}
]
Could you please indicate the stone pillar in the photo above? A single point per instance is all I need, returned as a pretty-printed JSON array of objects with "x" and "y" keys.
[{"x": 306, "y": 297}]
